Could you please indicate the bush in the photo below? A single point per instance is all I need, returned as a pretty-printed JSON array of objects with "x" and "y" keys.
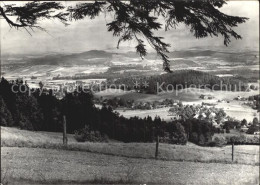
[
  {"x": 178, "y": 136},
  {"x": 202, "y": 140},
  {"x": 244, "y": 139},
  {"x": 227, "y": 130},
  {"x": 165, "y": 138},
  {"x": 253, "y": 140},
  {"x": 194, "y": 137},
  {"x": 175, "y": 134},
  {"x": 253, "y": 128},
  {"x": 86, "y": 134},
  {"x": 79, "y": 137},
  {"x": 220, "y": 141}
]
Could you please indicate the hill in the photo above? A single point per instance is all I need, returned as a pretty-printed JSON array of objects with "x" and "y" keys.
[
  {"x": 229, "y": 57},
  {"x": 94, "y": 57},
  {"x": 48, "y": 162},
  {"x": 180, "y": 79}
]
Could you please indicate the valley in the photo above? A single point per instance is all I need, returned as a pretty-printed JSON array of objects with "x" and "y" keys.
[
  {"x": 95, "y": 68},
  {"x": 129, "y": 92}
]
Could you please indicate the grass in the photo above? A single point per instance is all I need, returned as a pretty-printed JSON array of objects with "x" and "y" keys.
[
  {"x": 39, "y": 158},
  {"x": 75, "y": 167},
  {"x": 12, "y": 137}
]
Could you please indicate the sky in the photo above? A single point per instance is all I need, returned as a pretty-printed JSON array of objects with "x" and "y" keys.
[{"x": 92, "y": 34}]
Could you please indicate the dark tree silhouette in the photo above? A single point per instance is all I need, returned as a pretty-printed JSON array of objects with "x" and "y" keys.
[
  {"x": 135, "y": 19},
  {"x": 27, "y": 16}
]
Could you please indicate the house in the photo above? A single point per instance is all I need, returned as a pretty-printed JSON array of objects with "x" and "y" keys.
[
  {"x": 202, "y": 116},
  {"x": 196, "y": 116},
  {"x": 243, "y": 128},
  {"x": 212, "y": 115},
  {"x": 240, "y": 98},
  {"x": 174, "y": 116},
  {"x": 257, "y": 133},
  {"x": 202, "y": 96},
  {"x": 215, "y": 124}
]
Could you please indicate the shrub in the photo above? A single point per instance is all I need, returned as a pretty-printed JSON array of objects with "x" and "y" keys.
[
  {"x": 86, "y": 134},
  {"x": 79, "y": 137},
  {"x": 220, "y": 140},
  {"x": 174, "y": 133},
  {"x": 178, "y": 136},
  {"x": 202, "y": 140},
  {"x": 253, "y": 128},
  {"x": 253, "y": 140},
  {"x": 165, "y": 138},
  {"x": 227, "y": 130},
  {"x": 239, "y": 139},
  {"x": 194, "y": 137}
]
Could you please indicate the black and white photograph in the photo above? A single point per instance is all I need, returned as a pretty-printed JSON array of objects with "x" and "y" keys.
[{"x": 129, "y": 92}]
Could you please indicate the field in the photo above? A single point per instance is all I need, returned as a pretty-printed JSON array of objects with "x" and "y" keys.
[
  {"x": 233, "y": 109},
  {"x": 190, "y": 96},
  {"x": 33, "y": 157}
]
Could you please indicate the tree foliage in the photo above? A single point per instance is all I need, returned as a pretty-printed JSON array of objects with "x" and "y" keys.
[
  {"x": 179, "y": 80},
  {"x": 135, "y": 19},
  {"x": 27, "y": 16},
  {"x": 44, "y": 112}
]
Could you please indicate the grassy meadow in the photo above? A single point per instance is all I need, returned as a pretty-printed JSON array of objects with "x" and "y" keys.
[{"x": 32, "y": 157}]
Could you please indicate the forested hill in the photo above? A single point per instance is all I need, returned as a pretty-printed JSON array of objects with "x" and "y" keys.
[
  {"x": 43, "y": 112},
  {"x": 180, "y": 80}
]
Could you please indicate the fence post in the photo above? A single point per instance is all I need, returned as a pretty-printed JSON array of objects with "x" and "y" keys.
[
  {"x": 157, "y": 146},
  {"x": 232, "y": 151},
  {"x": 65, "y": 139}
]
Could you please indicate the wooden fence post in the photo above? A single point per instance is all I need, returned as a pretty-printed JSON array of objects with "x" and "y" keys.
[
  {"x": 157, "y": 146},
  {"x": 65, "y": 139},
  {"x": 232, "y": 151}
]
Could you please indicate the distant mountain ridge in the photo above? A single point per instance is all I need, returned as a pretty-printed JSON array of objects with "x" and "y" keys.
[{"x": 101, "y": 57}]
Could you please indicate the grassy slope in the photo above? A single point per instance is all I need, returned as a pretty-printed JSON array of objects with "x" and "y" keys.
[
  {"x": 52, "y": 165},
  {"x": 113, "y": 161},
  {"x": 12, "y": 137}
]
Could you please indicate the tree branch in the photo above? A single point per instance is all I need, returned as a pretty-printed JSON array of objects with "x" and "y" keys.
[{"x": 11, "y": 23}]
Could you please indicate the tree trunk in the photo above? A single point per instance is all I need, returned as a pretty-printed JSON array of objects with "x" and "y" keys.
[
  {"x": 157, "y": 147},
  {"x": 65, "y": 139}
]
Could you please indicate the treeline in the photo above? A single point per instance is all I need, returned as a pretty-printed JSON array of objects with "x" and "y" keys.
[
  {"x": 43, "y": 112},
  {"x": 256, "y": 101},
  {"x": 117, "y": 102},
  {"x": 179, "y": 80},
  {"x": 30, "y": 112},
  {"x": 113, "y": 72}
]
